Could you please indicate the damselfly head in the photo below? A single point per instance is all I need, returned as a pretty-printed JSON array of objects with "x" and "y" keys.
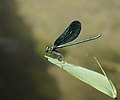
[
  {"x": 47, "y": 49},
  {"x": 50, "y": 49}
]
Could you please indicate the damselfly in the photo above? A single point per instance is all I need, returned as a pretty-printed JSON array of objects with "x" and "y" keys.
[{"x": 64, "y": 40}]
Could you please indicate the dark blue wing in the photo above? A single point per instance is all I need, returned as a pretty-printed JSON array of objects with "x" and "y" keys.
[{"x": 71, "y": 33}]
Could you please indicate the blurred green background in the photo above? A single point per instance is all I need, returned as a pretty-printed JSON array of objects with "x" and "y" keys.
[{"x": 28, "y": 26}]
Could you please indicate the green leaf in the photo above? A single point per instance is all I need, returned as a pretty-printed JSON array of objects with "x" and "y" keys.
[{"x": 94, "y": 79}]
